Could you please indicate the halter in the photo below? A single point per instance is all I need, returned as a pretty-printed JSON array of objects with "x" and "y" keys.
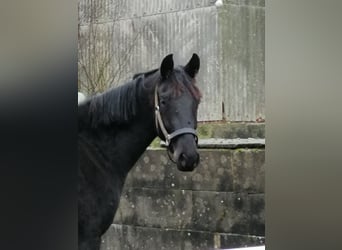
[{"x": 159, "y": 124}]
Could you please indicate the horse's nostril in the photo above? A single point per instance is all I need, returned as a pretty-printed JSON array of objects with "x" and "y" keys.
[{"x": 182, "y": 159}]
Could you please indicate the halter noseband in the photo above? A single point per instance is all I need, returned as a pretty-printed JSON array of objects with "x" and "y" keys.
[{"x": 159, "y": 124}]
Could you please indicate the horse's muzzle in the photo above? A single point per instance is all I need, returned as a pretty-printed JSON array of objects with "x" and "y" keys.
[
  {"x": 188, "y": 162},
  {"x": 183, "y": 152}
]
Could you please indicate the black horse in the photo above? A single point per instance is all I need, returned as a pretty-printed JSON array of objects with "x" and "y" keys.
[{"x": 117, "y": 126}]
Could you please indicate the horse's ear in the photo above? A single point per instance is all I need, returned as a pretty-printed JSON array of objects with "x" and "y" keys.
[
  {"x": 166, "y": 66},
  {"x": 193, "y": 66}
]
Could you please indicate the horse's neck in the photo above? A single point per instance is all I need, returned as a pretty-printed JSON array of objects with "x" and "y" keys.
[
  {"x": 121, "y": 146},
  {"x": 132, "y": 141}
]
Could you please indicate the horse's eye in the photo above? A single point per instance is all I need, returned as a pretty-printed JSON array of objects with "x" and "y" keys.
[{"x": 163, "y": 102}]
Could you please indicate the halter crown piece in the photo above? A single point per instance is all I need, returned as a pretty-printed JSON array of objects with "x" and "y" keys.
[{"x": 159, "y": 124}]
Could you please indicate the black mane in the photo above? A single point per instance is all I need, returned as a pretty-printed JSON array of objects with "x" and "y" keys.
[
  {"x": 117, "y": 105},
  {"x": 146, "y": 74}
]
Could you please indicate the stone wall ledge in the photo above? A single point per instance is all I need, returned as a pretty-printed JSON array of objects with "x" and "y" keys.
[
  {"x": 127, "y": 237},
  {"x": 217, "y": 143}
]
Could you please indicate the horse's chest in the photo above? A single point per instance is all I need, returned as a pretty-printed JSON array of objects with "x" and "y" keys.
[{"x": 98, "y": 202}]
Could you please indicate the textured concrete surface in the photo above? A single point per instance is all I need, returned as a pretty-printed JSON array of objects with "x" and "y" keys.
[
  {"x": 230, "y": 41},
  {"x": 218, "y": 143},
  {"x": 242, "y": 59},
  {"x": 226, "y": 170},
  {"x": 248, "y": 248},
  {"x": 219, "y": 205},
  {"x": 124, "y": 237},
  {"x": 237, "y": 213},
  {"x": 231, "y": 130}
]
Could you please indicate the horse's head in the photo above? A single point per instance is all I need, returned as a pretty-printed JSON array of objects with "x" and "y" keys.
[{"x": 176, "y": 102}]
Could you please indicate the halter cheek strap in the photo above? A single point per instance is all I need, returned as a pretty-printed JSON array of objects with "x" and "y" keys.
[{"x": 160, "y": 124}]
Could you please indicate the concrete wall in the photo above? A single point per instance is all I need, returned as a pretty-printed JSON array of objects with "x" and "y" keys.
[
  {"x": 137, "y": 34},
  {"x": 242, "y": 59},
  {"x": 220, "y": 204}
]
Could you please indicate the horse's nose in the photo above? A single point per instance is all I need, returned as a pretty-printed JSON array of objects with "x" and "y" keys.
[{"x": 188, "y": 162}]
